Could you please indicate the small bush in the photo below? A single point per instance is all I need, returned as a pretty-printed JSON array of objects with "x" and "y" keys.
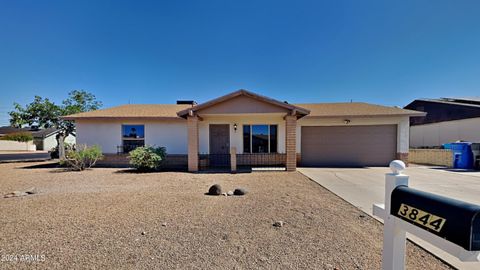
[
  {"x": 84, "y": 157},
  {"x": 147, "y": 158},
  {"x": 18, "y": 137}
]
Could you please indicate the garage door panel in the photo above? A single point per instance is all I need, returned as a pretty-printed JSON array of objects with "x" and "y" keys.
[{"x": 348, "y": 145}]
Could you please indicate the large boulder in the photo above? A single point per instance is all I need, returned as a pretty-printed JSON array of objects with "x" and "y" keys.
[
  {"x": 215, "y": 190},
  {"x": 240, "y": 191}
]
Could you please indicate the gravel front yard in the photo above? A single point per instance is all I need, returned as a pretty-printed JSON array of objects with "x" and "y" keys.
[{"x": 95, "y": 219}]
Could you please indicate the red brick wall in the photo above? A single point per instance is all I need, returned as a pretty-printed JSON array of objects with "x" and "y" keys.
[{"x": 261, "y": 159}]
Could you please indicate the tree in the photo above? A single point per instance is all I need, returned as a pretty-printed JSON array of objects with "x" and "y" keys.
[
  {"x": 41, "y": 112},
  {"x": 45, "y": 114},
  {"x": 80, "y": 101}
]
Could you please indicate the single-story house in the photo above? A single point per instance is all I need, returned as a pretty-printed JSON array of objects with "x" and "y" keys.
[
  {"x": 261, "y": 130},
  {"x": 44, "y": 139},
  {"x": 447, "y": 120}
]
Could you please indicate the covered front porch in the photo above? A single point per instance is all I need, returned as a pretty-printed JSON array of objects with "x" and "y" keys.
[
  {"x": 242, "y": 162},
  {"x": 242, "y": 129}
]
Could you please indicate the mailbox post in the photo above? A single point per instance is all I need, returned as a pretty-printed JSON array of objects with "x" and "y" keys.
[
  {"x": 394, "y": 237},
  {"x": 451, "y": 225}
]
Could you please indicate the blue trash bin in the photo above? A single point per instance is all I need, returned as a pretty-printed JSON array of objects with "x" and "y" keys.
[
  {"x": 462, "y": 154},
  {"x": 447, "y": 146}
]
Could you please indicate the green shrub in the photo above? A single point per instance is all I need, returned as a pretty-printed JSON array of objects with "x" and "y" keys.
[
  {"x": 84, "y": 157},
  {"x": 18, "y": 137},
  {"x": 147, "y": 158}
]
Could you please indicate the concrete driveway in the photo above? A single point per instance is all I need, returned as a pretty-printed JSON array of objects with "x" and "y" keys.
[{"x": 364, "y": 186}]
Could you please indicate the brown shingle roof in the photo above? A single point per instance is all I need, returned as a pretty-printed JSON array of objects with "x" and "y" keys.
[
  {"x": 133, "y": 111},
  {"x": 355, "y": 109},
  {"x": 169, "y": 111}
]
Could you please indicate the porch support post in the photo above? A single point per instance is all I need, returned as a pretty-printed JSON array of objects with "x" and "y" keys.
[
  {"x": 192, "y": 126},
  {"x": 291, "y": 142},
  {"x": 233, "y": 159}
]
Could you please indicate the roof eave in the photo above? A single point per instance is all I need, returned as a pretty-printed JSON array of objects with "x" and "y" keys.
[
  {"x": 122, "y": 117},
  {"x": 366, "y": 115},
  {"x": 444, "y": 102}
]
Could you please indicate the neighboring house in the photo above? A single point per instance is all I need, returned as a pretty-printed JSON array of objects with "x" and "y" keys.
[
  {"x": 447, "y": 120},
  {"x": 263, "y": 131},
  {"x": 44, "y": 139}
]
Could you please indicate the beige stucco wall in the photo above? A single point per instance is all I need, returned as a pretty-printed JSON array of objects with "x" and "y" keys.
[
  {"x": 17, "y": 146},
  {"x": 108, "y": 134},
  {"x": 173, "y": 134},
  {"x": 242, "y": 105},
  {"x": 401, "y": 122},
  {"x": 444, "y": 132},
  {"x": 236, "y": 137}
]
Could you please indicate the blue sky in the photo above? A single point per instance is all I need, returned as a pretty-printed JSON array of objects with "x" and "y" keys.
[{"x": 385, "y": 52}]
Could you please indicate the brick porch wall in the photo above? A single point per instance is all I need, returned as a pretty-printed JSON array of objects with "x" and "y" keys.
[
  {"x": 192, "y": 127},
  {"x": 261, "y": 159},
  {"x": 290, "y": 142},
  {"x": 114, "y": 160}
]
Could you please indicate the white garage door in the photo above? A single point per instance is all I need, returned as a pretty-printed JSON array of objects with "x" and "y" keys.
[{"x": 348, "y": 146}]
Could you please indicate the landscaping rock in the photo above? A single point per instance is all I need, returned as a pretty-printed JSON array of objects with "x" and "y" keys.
[
  {"x": 31, "y": 190},
  {"x": 240, "y": 191},
  {"x": 278, "y": 224},
  {"x": 215, "y": 190},
  {"x": 15, "y": 194},
  {"x": 164, "y": 224},
  {"x": 144, "y": 233},
  {"x": 230, "y": 193}
]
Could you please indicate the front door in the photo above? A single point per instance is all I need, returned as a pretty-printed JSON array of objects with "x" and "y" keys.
[{"x": 219, "y": 145}]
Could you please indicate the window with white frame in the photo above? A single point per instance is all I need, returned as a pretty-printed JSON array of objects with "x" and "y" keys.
[{"x": 260, "y": 138}]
